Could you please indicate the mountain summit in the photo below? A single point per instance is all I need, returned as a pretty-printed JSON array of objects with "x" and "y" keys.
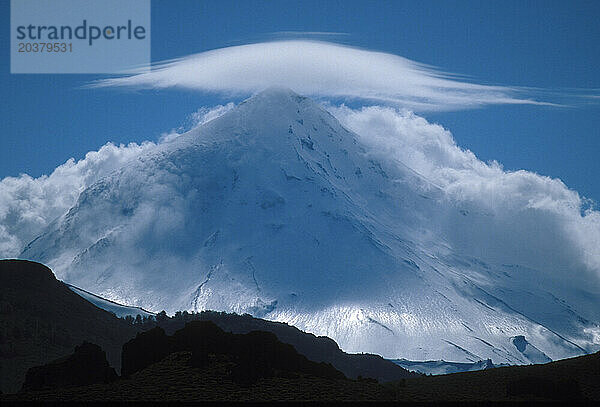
[{"x": 276, "y": 210}]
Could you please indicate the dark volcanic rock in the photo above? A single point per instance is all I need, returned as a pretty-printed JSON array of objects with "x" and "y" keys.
[
  {"x": 315, "y": 348},
  {"x": 42, "y": 320},
  {"x": 563, "y": 389},
  {"x": 254, "y": 355},
  {"x": 145, "y": 349},
  {"x": 88, "y": 365}
]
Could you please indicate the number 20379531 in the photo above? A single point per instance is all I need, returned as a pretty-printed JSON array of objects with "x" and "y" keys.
[{"x": 45, "y": 47}]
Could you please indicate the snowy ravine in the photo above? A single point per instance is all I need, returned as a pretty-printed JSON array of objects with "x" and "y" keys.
[{"x": 276, "y": 210}]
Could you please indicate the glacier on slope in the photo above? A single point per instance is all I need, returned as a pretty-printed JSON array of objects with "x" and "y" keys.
[{"x": 276, "y": 210}]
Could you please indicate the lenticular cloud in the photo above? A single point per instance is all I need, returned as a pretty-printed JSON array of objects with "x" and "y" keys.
[{"x": 316, "y": 68}]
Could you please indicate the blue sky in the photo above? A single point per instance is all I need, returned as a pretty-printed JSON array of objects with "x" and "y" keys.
[{"x": 547, "y": 44}]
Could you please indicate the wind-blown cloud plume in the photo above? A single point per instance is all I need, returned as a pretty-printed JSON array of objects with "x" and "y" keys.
[
  {"x": 28, "y": 205},
  {"x": 536, "y": 221},
  {"x": 437, "y": 231},
  {"x": 316, "y": 68}
]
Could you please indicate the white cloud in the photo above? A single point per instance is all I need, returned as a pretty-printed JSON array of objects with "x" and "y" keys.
[
  {"x": 155, "y": 216},
  {"x": 28, "y": 205},
  {"x": 205, "y": 114},
  {"x": 317, "y": 68},
  {"x": 198, "y": 118},
  {"x": 511, "y": 216}
]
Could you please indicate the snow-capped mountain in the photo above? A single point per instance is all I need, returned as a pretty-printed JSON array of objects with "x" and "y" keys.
[{"x": 276, "y": 210}]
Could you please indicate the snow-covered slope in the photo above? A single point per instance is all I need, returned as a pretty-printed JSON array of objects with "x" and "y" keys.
[
  {"x": 439, "y": 367},
  {"x": 277, "y": 210},
  {"x": 119, "y": 310}
]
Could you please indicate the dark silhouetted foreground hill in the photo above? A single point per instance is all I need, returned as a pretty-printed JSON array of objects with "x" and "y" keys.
[
  {"x": 199, "y": 362},
  {"x": 42, "y": 320},
  {"x": 567, "y": 380},
  {"x": 315, "y": 348},
  {"x": 88, "y": 365},
  {"x": 178, "y": 377},
  {"x": 201, "y": 375},
  {"x": 254, "y": 355}
]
